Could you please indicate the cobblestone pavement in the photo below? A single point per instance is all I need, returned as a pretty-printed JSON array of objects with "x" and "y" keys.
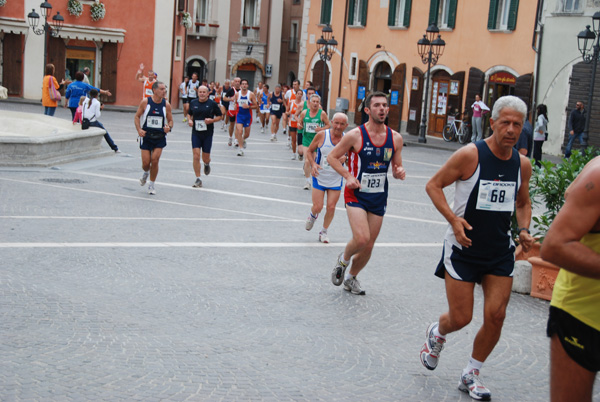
[{"x": 107, "y": 293}]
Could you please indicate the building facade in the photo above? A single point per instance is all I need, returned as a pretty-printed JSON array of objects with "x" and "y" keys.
[
  {"x": 488, "y": 52},
  {"x": 131, "y": 33},
  {"x": 564, "y": 78}
]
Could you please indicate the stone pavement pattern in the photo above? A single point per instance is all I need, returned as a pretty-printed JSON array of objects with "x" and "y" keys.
[{"x": 219, "y": 293}]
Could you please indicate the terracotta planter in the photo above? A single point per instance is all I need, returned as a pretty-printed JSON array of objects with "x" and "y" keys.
[{"x": 543, "y": 276}]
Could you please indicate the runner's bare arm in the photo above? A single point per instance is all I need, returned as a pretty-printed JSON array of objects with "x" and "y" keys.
[
  {"x": 138, "y": 116},
  {"x": 579, "y": 215},
  {"x": 301, "y": 120},
  {"x": 350, "y": 141},
  {"x": 310, "y": 154},
  {"x": 398, "y": 171},
  {"x": 169, "y": 125},
  {"x": 461, "y": 165},
  {"x": 523, "y": 204},
  {"x": 324, "y": 121}
]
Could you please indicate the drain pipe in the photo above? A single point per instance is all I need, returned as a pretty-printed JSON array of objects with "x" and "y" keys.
[
  {"x": 538, "y": 50},
  {"x": 343, "y": 48}
]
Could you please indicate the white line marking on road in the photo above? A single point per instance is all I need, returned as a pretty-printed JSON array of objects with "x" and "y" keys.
[
  {"x": 141, "y": 218},
  {"x": 201, "y": 245}
]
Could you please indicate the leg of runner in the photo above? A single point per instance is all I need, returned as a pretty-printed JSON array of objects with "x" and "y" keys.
[
  {"x": 154, "y": 158},
  {"x": 332, "y": 198},
  {"x": 365, "y": 229},
  {"x": 239, "y": 138}
]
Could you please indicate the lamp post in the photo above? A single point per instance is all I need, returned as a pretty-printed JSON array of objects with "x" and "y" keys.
[
  {"x": 430, "y": 49},
  {"x": 326, "y": 46},
  {"x": 589, "y": 46},
  {"x": 54, "y": 29}
]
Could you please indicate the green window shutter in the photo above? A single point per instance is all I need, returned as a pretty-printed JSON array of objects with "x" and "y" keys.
[
  {"x": 351, "y": 12},
  {"x": 326, "y": 12},
  {"x": 434, "y": 6},
  {"x": 392, "y": 13},
  {"x": 407, "y": 5},
  {"x": 363, "y": 13},
  {"x": 452, "y": 14},
  {"x": 493, "y": 14},
  {"x": 512, "y": 15}
]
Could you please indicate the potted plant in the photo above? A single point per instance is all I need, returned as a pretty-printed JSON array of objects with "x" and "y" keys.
[
  {"x": 186, "y": 20},
  {"x": 97, "y": 11},
  {"x": 74, "y": 7},
  {"x": 2, "y": 3},
  {"x": 548, "y": 185}
]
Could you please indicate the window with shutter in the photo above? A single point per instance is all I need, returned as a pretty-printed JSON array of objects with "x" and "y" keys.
[
  {"x": 326, "y": 12},
  {"x": 357, "y": 12},
  {"x": 399, "y": 13},
  {"x": 503, "y": 14},
  {"x": 443, "y": 13}
]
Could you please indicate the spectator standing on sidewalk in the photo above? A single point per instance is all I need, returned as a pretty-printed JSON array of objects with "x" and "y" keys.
[
  {"x": 540, "y": 133},
  {"x": 576, "y": 127},
  {"x": 48, "y": 103},
  {"x": 479, "y": 109}
]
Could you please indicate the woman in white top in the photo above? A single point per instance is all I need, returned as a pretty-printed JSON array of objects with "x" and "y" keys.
[
  {"x": 540, "y": 133},
  {"x": 91, "y": 110}
]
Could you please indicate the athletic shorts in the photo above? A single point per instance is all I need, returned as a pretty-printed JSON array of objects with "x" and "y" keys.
[
  {"x": 230, "y": 118},
  {"x": 307, "y": 139},
  {"x": 202, "y": 141},
  {"x": 244, "y": 119},
  {"x": 185, "y": 100},
  {"x": 580, "y": 341},
  {"x": 149, "y": 144},
  {"x": 315, "y": 184},
  {"x": 299, "y": 138},
  {"x": 468, "y": 268},
  {"x": 293, "y": 129},
  {"x": 265, "y": 111}
]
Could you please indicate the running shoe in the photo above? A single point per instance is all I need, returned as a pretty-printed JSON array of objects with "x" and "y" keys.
[
  {"x": 240, "y": 153},
  {"x": 262, "y": 130},
  {"x": 306, "y": 186},
  {"x": 197, "y": 184},
  {"x": 472, "y": 384},
  {"x": 323, "y": 238},
  {"x": 144, "y": 178},
  {"x": 310, "y": 221},
  {"x": 273, "y": 138},
  {"x": 244, "y": 144},
  {"x": 337, "y": 276},
  {"x": 430, "y": 352},
  {"x": 185, "y": 119},
  {"x": 293, "y": 157},
  {"x": 235, "y": 143},
  {"x": 117, "y": 151},
  {"x": 300, "y": 157},
  {"x": 151, "y": 190},
  {"x": 352, "y": 285},
  {"x": 229, "y": 142},
  {"x": 206, "y": 169},
  {"x": 284, "y": 131}
]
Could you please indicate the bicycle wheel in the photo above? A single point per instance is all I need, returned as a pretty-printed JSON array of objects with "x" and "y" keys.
[
  {"x": 448, "y": 133},
  {"x": 466, "y": 134}
]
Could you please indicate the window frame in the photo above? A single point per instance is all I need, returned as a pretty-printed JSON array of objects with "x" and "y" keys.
[
  {"x": 357, "y": 13},
  {"x": 326, "y": 6},
  {"x": 399, "y": 13}
]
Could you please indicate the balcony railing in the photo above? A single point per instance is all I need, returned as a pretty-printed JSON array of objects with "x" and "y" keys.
[
  {"x": 206, "y": 29},
  {"x": 250, "y": 33}
]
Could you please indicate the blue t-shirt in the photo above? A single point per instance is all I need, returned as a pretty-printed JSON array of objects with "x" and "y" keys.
[{"x": 76, "y": 90}]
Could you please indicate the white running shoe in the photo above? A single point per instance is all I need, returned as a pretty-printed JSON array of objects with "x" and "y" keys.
[
  {"x": 262, "y": 130},
  {"x": 235, "y": 143},
  {"x": 300, "y": 157},
  {"x": 352, "y": 285},
  {"x": 144, "y": 178},
  {"x": 244, "y": 144},
  {"x": 229, "y": 142},
  {"x": 310, "y": 221},
  {"x": 430, "y": 352},
  {"x": 337, "y": 276},
  {"x": 151, "y": 190},
  {"x": 293, "y": 157},
  {"x": 240, "y": 153},
  {"x": 306, "y": 186},
  {"x": 472, "y": 384},
  {"x": 197, "y": 184},
  {"x": 323, "y": 238},
  {"x": 274, "y": 138}
]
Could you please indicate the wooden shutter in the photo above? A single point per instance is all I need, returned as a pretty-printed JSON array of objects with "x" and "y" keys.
[
  {"x": 363, "y": 12},
  {"x": 523, "y": 87},
  {"x": 57, "y": 55},
  {"x": 512, "y": 15},
  {"x": 351, "y": 12},
  {"x": 12, "y": 63},
  {"x": 363, "y": 81},
  {"x": 415, "y": 102},
  {"x": 434, "y": 7},
  {"x": 474, "y": 86},
  {"x": 392, "y": 13},
  {"x": 395, "y": 114},
  {"x": 407, "y": 7},
  {"x": 326, "y": 12},
  {"x": 452, "y": 13},
  {"x": 108, "y": 72},
  {"x": 493, "y": 14}
]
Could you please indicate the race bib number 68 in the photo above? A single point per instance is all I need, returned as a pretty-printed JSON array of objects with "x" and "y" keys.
[{"x": 496, "y": 196}]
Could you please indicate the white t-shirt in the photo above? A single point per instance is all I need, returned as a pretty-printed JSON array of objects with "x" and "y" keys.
[
  {"x": 93, "y": 112},
  {"x": 183, "y": 90}
]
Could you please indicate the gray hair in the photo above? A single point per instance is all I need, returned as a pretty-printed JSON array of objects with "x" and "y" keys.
[
  {"x": 511, "y": 102},
  {"x": 315, "y": 96},
  {"x": 340, "y": 114}
]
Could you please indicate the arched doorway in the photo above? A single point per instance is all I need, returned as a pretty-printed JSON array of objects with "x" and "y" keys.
[
  {"x": 290, "y": 78},
  {"x": 382, "y": 78},
  {"x": 247, "y": 71},
  {"x": 196, "y": 66},
  {"x": 319, "y": 69}
]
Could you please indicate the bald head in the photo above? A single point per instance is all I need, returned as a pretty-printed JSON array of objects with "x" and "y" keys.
[
  {"x": 202, "y": 93},
  {"x": 339, "y": 122}
]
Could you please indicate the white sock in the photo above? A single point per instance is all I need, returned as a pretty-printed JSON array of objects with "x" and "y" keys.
[
  {"x": 198, "y": 177},
  {"x": 348, "y": 275},
  {"x": 150, "y": 184},
  {"x": 324, "y": 230},
  {"x": 436, "y": 332},
  {"x": 473, "y": 365}
]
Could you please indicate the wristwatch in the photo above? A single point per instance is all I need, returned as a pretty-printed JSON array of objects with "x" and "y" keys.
[{"x": 523, "y": 229}]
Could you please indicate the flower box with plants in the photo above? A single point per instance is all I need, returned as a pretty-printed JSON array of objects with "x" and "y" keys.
[
  {"x": 74, "y": 7},
  {"x": 97, "y": 11}
]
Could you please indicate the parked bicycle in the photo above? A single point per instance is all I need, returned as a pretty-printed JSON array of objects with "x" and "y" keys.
[{"x": 458, "y": 130}]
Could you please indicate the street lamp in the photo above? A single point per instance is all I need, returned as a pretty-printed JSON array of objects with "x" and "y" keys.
[
  {"x": 57, "y": 24},
  {"x": 430, "y": 49},
  {"x": 326, "y": 47},
  {"x": 587, "y": 41}
]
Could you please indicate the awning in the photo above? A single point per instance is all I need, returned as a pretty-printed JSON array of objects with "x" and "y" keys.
[
  {"x": 13, "y": 25},
  {"x": 92, "y": 34}
]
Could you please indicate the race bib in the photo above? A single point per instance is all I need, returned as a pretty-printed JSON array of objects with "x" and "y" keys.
[
  {"x": 154, "y": 122},
  {"x": 372, "y": 182},
  {"x": 311, "y": 127},
  {"x": 149, "y": 92},
  {"x": 275, "y": 107},
  {"x": 324, "y": 163},
  {"x": 231, "y": 106},
  {"x": 200, "y": 125},
  {"x": 496, "y": 195},
  {"x": 243, "y": 102}
]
